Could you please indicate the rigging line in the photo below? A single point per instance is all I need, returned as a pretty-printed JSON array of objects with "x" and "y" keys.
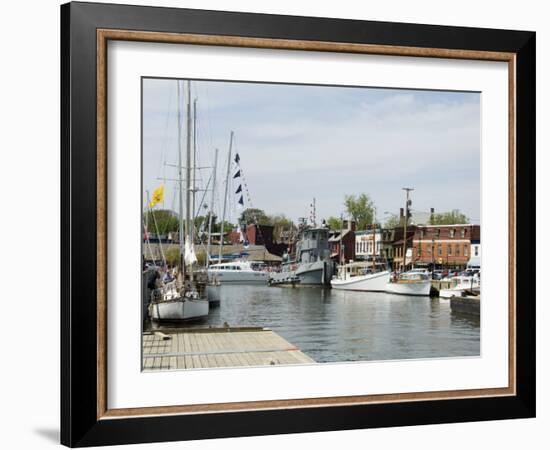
[
  {"x": 248, "y": 196},
  {"x": 163, "y": 142},
  {"x": 203, "y": 196},
  {"x": 147, "y": 241},
  {"x": 204, "y": 88}
]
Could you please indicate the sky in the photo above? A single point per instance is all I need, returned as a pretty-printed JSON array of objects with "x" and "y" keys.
[{"x": 299, "y": 142}]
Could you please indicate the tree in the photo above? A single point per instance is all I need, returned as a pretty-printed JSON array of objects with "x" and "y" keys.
[
  {"x": 254, "y": 216},
  {"x": 360, "y": 209},
  {"x": 449, "y": 218},
  {"x": 334, "y": 223},
  {"x": 280, "y": 223},
  {"x": 166, "y": 220},
  {"x": 393, "y": 221}
]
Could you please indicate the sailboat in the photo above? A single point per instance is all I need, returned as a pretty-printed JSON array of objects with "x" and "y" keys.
[{"x": 184, "y": 298}]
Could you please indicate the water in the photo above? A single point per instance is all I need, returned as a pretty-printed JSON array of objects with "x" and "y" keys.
[{"x": 336, "y": 326}]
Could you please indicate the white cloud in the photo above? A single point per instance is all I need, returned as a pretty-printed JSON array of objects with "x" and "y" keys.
[{"x": 299, "y": 142}]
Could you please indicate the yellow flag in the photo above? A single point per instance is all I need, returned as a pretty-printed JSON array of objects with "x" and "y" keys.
[{"x": 158, "y": 196}]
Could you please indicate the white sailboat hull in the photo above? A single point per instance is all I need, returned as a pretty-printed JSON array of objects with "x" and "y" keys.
[
  {"x": 180, "y": 309},
  {"x": 410, "y": 288},
  {"x": 375, "y": 282}
]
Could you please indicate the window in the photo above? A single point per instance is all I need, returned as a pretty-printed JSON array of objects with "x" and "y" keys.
[
  {"x": 439, "y": 250},
  {"x": 476, "y": 250},
  {"x": 465, "y": 249},
  {"x": 452, "y": 233},
  {"x": 457, "y": 250},
  {"x": 449, "y": 249},
  {"x": 421, "y": 234},
  {"x": 463, "y": 233},
  {"x": 437, "y": 233}
]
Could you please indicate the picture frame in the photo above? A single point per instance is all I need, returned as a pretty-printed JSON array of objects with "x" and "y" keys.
[{"x": 86, "y": 418}]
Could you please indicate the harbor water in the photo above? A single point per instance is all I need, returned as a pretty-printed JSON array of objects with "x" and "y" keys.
[{"x": 338, "y": 326}]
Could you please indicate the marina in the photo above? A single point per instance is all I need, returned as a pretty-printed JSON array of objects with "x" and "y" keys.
[
  {"x": 228, "y": 284},
  {"x": 329, "y": 325}
]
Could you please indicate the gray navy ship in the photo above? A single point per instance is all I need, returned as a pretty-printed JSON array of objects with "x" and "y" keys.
[{"x": 312, "y": 264}]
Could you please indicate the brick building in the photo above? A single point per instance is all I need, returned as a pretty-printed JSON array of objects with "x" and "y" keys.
[
  {"x": 444, "y": 246},
  {"x": 343, "y": 239},
  {"x": 397, "y": 246},
  {"x": 259, "y": 235}
]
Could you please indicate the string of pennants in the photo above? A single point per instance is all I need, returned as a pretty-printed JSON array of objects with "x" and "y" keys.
[{"x": 239, "y": 174}]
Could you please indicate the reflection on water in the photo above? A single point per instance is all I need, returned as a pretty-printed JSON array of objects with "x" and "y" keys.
[{"x": 331, "y": 325}]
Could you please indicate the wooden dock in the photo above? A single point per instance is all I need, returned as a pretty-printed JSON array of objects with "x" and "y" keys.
[
  {"x": 469, "y": 304},
  {"x": 218, "y": 347}
]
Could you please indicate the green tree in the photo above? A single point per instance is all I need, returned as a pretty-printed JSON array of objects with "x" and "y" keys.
[
  {"x": 334, "y": 223},
  {"x": 280, "y": 223},
  {"x": 393, "y": 221},
  {"x": 361, "y": 209},
  {"x": 166, "y": 220},
  {"x": 449, "y": 218},
  {"x": 254, "y": 215}
]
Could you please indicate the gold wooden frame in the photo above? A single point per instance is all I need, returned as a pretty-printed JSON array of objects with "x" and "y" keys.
[{"x": 104, "y": 35}]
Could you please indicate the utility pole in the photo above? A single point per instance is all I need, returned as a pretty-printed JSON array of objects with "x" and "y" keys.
[{"x": 405, "y": 222}]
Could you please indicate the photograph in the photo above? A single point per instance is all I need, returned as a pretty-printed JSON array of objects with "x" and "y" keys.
[{"x": 288, "y": 224}]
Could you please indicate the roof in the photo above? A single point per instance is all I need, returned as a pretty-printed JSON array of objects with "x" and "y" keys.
[{"x": 337, "y": 235}]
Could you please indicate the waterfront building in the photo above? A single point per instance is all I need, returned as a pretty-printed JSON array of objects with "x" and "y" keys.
[
  {"x": 444, "y": 246},
  {"x": 475, "y": 253},
  {"x": 367, "y": 244},
  {"x": 397, "y": 246},
  {"x": 342, "y": 242}
]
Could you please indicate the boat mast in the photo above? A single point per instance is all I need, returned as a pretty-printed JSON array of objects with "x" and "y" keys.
[
  {"x": 373, "y": 242},
  {"x": 225, "y": 195},
  {"x": 188, "y": 219},
  {"x": 211, "y": 208},
  {"x": 405, "y": 222},
  {"x": 194, "y": 190},
  {"x": 180, "y": 182}
]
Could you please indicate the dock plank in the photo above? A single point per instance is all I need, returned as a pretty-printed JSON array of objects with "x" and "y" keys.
[{"x": 217, "y": 348}]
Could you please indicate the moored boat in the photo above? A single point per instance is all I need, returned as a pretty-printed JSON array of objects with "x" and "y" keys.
[
  {"x": 183, "y": 298},
  {"x": 312, "y": 264},
  {"x": 410, "y": 283},
  {"x": 359, "y": 276},
  {"x": 461, "y": 285},
  {"x": 236, "y": 272}
]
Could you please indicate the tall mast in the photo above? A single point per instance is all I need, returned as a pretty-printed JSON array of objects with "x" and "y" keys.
[
  {"x": 188, "y": 219},
  {"x": 180, "y": 182},
  {"x": 194, "y": 190},
  {"x": 405, "y": 222},
  {"x": 225, "y": 195},
  {"x": 211, "y": 208}
]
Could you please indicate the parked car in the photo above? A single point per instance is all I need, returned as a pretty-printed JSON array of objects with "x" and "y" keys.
[{"x": 438, "y": 274}]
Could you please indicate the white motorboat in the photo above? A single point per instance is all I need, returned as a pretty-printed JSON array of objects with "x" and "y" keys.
[
  {"x": 359, "y": 276},
  {"x": 414, "y": 282},
  {"x": 460, "y": 285},
  {"x": 237, "y": 272}
]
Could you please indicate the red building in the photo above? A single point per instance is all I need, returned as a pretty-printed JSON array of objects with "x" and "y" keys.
[
  {"x": 444, "y": 245},
  {"x": 343, "y": 240},
  {"x": 259, "y": 235}
]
